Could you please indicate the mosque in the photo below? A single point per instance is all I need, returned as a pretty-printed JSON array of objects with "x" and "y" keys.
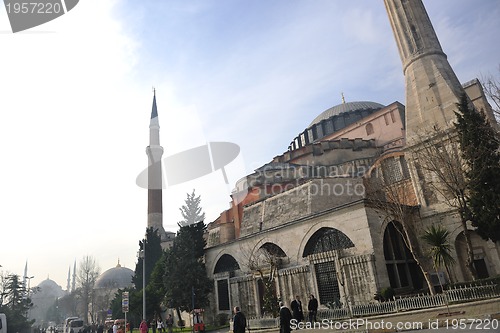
[{"x": 306, "y": 223}]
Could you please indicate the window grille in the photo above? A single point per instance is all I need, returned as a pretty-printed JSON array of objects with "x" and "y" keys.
[
  {"x": 328, "y": 286},
  {"x": 327, "y": 239},
  {"x": 391, "y": 171}
]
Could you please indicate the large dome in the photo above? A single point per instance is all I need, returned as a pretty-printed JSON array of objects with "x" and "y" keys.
[
  {"x": 114, "y": 278},
  {"x": 346, "y": 107},
  {"x": 49, "y": 285}
]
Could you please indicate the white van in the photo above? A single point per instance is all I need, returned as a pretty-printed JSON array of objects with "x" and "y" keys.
[
  {"x": 66, "y": 323},
  {"x": 3, "y": 323},
  {"x": 75, "y": 326}
]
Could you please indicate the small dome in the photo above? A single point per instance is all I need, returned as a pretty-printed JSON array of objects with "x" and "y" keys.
[
  {"x": 346, "y": 107},
  {"x": 115, "y": 278}
]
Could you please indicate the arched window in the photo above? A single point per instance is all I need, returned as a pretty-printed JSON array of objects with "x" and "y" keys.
[
  {"x": 327, "y": 239},
  {"x": 273, "y": 249},
  {"x": 226, "y": 263},
  {"x": 402, "y": 269},
  {"x": 369, "y": 129}
]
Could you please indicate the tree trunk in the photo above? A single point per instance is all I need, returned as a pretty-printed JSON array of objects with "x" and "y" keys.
[
  {"x": 419, "y": 259},
  {"x": 470, "y": 252}
]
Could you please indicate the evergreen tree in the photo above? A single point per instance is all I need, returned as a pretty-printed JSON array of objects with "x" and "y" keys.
[
  {"x": 15, "y": 304},
  {"x": 191, "y": 211},
  {"x": 153, "y": 254},
  {"x": 479, "y": 145},
  {"x": 185, "y": 270}
]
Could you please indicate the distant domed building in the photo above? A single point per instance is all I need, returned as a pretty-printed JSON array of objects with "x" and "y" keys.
[
  {"x": 44, "y": 296},
  {"x": 115, "y": 278},
  {"x": 106, "y": 286}
]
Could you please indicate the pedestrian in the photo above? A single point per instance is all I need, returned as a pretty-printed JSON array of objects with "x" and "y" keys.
[
  {"x": 285, "y": 318},
  {"x": 169, "y": 322},
  {"x": 153, "y": 325},
  {"x": 143, "y": 327},
  {"x": 239, "y": 321},
  {"x": 159, "y": 325},
  {"x": 297, "y": 309},
  {"x": 115, "y": 327},
  {"x": 312, "y": 307}
]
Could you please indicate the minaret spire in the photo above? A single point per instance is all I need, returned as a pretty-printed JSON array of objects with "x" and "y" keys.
[
  {"x": 432, "y": 88},
  {"x": 25, "y": 276},
  {"x": 69, "y": 279},
  {"x": 73, "y": 286},
  {"x": 155, "y": 180}
]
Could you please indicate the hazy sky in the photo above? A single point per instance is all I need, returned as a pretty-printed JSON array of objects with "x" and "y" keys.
[{"x": 76, "y": 96}]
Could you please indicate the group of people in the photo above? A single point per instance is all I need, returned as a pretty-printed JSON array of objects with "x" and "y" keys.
[
  {"x": 158, "y": 325},
  {"x": 297, "y": 313},
  {"x": 286, "y": 316}
]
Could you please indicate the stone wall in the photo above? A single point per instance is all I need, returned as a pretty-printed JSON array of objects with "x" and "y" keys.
[
  {"x": 359, "y": 277},
  {"x": 315, "y": 196}
]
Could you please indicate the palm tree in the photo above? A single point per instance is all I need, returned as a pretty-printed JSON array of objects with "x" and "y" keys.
[{"x": 440, "y": 248}]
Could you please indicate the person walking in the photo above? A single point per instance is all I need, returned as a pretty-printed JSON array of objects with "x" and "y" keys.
[
  {"x": 159, "y": 325},
  {"x": 312, "y": 307},
  {"x": 152, "y": 324},
  {"x": 169, "y": 322},
  {"x": 239, "y": 321},
  {"x": 143, "y": 327},
  {"x": 285, "y": 318},
  {"x": 297, "y": 309}
]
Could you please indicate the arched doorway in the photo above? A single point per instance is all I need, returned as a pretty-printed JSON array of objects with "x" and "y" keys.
[
  {"x": 268, "y": 259},
  {"x": 326, "y": 240},
  {"x": 225, "y": 264}
]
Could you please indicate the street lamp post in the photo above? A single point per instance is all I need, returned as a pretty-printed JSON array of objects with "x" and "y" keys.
[{"x": 142, "y": 254}]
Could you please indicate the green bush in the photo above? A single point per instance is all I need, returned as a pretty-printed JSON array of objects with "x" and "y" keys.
[{"x": 385, "y": 294}]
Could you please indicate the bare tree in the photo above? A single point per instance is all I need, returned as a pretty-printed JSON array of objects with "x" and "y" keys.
[
  {"x": 86, "y": 277},
  {"x": 437, "y": 154},
  {"x": 491, "y": 87},
  {"x": 265, "y": 261},
  {"x": 394, "y": 198}
]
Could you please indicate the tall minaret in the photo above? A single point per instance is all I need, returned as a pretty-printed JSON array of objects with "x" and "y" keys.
[
  {"x": 155, "y": 182},
  {"x": 69, "y": 279},
  {"x": 25, "y": 276},
  {"x": 73, "y": 286},
  {"x": 432, "y": 88}
]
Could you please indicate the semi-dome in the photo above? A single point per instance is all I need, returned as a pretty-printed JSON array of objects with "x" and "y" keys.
[
  {"x": 346, "y": 107},
  {"x": 115, "y": 278}
]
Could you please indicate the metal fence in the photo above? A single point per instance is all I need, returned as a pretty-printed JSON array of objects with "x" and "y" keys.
[{"x": 405, "y": 303}]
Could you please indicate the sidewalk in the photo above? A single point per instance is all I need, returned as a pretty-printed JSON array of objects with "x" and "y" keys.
[{"x": 484, "y": 313}]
